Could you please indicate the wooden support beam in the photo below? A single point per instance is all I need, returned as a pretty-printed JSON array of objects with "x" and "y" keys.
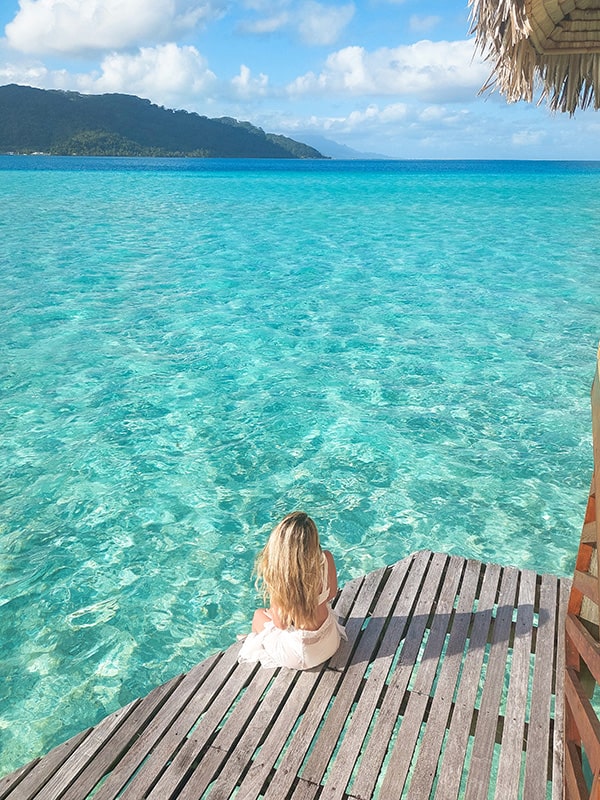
[
  {"x": 585, "y": 644},
  {"x": 587, "y": 721},
  {"x": 575, "y": 785}
]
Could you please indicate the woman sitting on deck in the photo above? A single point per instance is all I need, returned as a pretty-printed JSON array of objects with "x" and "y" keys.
[{"x": 299, "y": 630}]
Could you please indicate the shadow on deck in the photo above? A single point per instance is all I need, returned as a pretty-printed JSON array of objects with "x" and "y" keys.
[{"x": 450, "y": 685}]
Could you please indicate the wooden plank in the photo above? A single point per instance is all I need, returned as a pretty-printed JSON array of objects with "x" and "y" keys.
[
  {"x": 179, "y": 741},
  {"x": 379, "y": 740},
  {"x": 595, "y": 398},
  {"x": 558, "y": 755},
  {"x": 513, "y": 735},
  {"x": 347, "y": 598},
  {"x": 8, "y": 782},
  {"x": 305, "y": 790},
  {"x": 586, "y": 645},
  {"x": 224, "y": 682},
  {"x": 120, "y": 741},
  {"x": 188, "y": 695},
  {"x": 225, "y": 743},
  {"x": 456, "y": 746},
  {"x": 572, "y": 657},
  {"x": 589, "y": 534},
  {"x": 587, "y": 721},
  {"x": 285, "y": 777},
  {"x": 584, "y": 552},
  {"x": 576, "y": 598},
  {"x": 235, "y": 755},
  {"x": 575, "y": 784},
  {"x": 83, "y": 754},
  {"x": 362, "y": 715},
  {"x": 587, "y": 585},
  {"x": 480, "y": 766},
  {"x": 279, "y": 731},
  {"x": 366, "y": 651},
  {"x": 538, "y": 739},
  {"x": 386, "y": 591},
  {"x": 439, "y": 713},
  {"x": 571, "y": 730},
  {"x": 33, "y": 776}
]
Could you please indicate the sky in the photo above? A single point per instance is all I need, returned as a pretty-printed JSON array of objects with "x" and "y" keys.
[{"x": 399, "y": 78}]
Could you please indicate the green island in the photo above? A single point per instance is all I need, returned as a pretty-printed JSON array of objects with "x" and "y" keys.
[{"x": 62, "y": 123}]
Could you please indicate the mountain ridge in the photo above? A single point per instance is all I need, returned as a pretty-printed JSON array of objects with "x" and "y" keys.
[
  {"x": 59, "y": 122},
  {"x": 332, "y": 149}
]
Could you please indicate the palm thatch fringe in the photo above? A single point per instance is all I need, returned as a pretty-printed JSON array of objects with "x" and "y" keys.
[{"x": 509, "y": 37}]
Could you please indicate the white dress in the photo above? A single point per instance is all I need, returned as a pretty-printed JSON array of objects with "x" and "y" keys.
[{"x": 294, "y": 647}]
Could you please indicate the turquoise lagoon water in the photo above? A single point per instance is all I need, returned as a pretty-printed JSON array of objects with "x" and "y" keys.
[{"x": 191, "y": 349}]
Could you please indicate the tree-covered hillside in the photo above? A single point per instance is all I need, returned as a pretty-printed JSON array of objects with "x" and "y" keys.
[{"x": 69, "y": 123}]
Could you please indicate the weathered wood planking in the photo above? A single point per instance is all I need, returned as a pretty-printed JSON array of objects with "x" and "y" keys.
[{"x": 450, "y": 685}]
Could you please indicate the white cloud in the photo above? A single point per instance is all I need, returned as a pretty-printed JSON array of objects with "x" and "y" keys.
[
  {"x": 16, "y": 68},
  {"x": 527, "y": 138},
  {"x": 266, "y": 6},
  {"x": 314, "y": 22},
  {"x": 166, "y": 74},
  {"x": 267, "y": 24},
  {"x": 442, "y": 116},
  {"x": 422, "y": 24},
  {"x": 370, "y": 118},
  {"x": 170, "y": 75},
  {"x": 28, "y": 75},
  {"x": 432, "y": 114},
  {"x": 375, "y": 117},
  {"x": 439, "y": 71},
  {"x": 321, "y": 25},
  {"x": 77, "y": 26},
  {"x": 245, "y": 86},
  {"x": 393, "y": 113}
]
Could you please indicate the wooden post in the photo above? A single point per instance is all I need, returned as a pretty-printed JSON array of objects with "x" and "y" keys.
[{"x": 581, "y": 723}]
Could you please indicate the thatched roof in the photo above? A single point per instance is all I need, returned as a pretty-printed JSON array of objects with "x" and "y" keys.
[{"x": 551, "y": 44}]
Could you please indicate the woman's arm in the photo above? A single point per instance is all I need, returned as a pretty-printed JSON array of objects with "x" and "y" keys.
[
  {"x": 264, "y": 615},
  {"x": 274, "y": 614},
  {"x": 332, "y": 575}
]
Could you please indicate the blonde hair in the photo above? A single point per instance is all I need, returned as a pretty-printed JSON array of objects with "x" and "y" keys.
[{"x": 290, "y": 570}]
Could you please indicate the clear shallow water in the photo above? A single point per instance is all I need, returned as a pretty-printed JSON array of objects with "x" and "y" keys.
[{"x": 191, "y": 349}]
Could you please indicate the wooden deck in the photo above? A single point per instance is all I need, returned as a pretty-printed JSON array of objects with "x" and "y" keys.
[{"x": 450, "y": 685}]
